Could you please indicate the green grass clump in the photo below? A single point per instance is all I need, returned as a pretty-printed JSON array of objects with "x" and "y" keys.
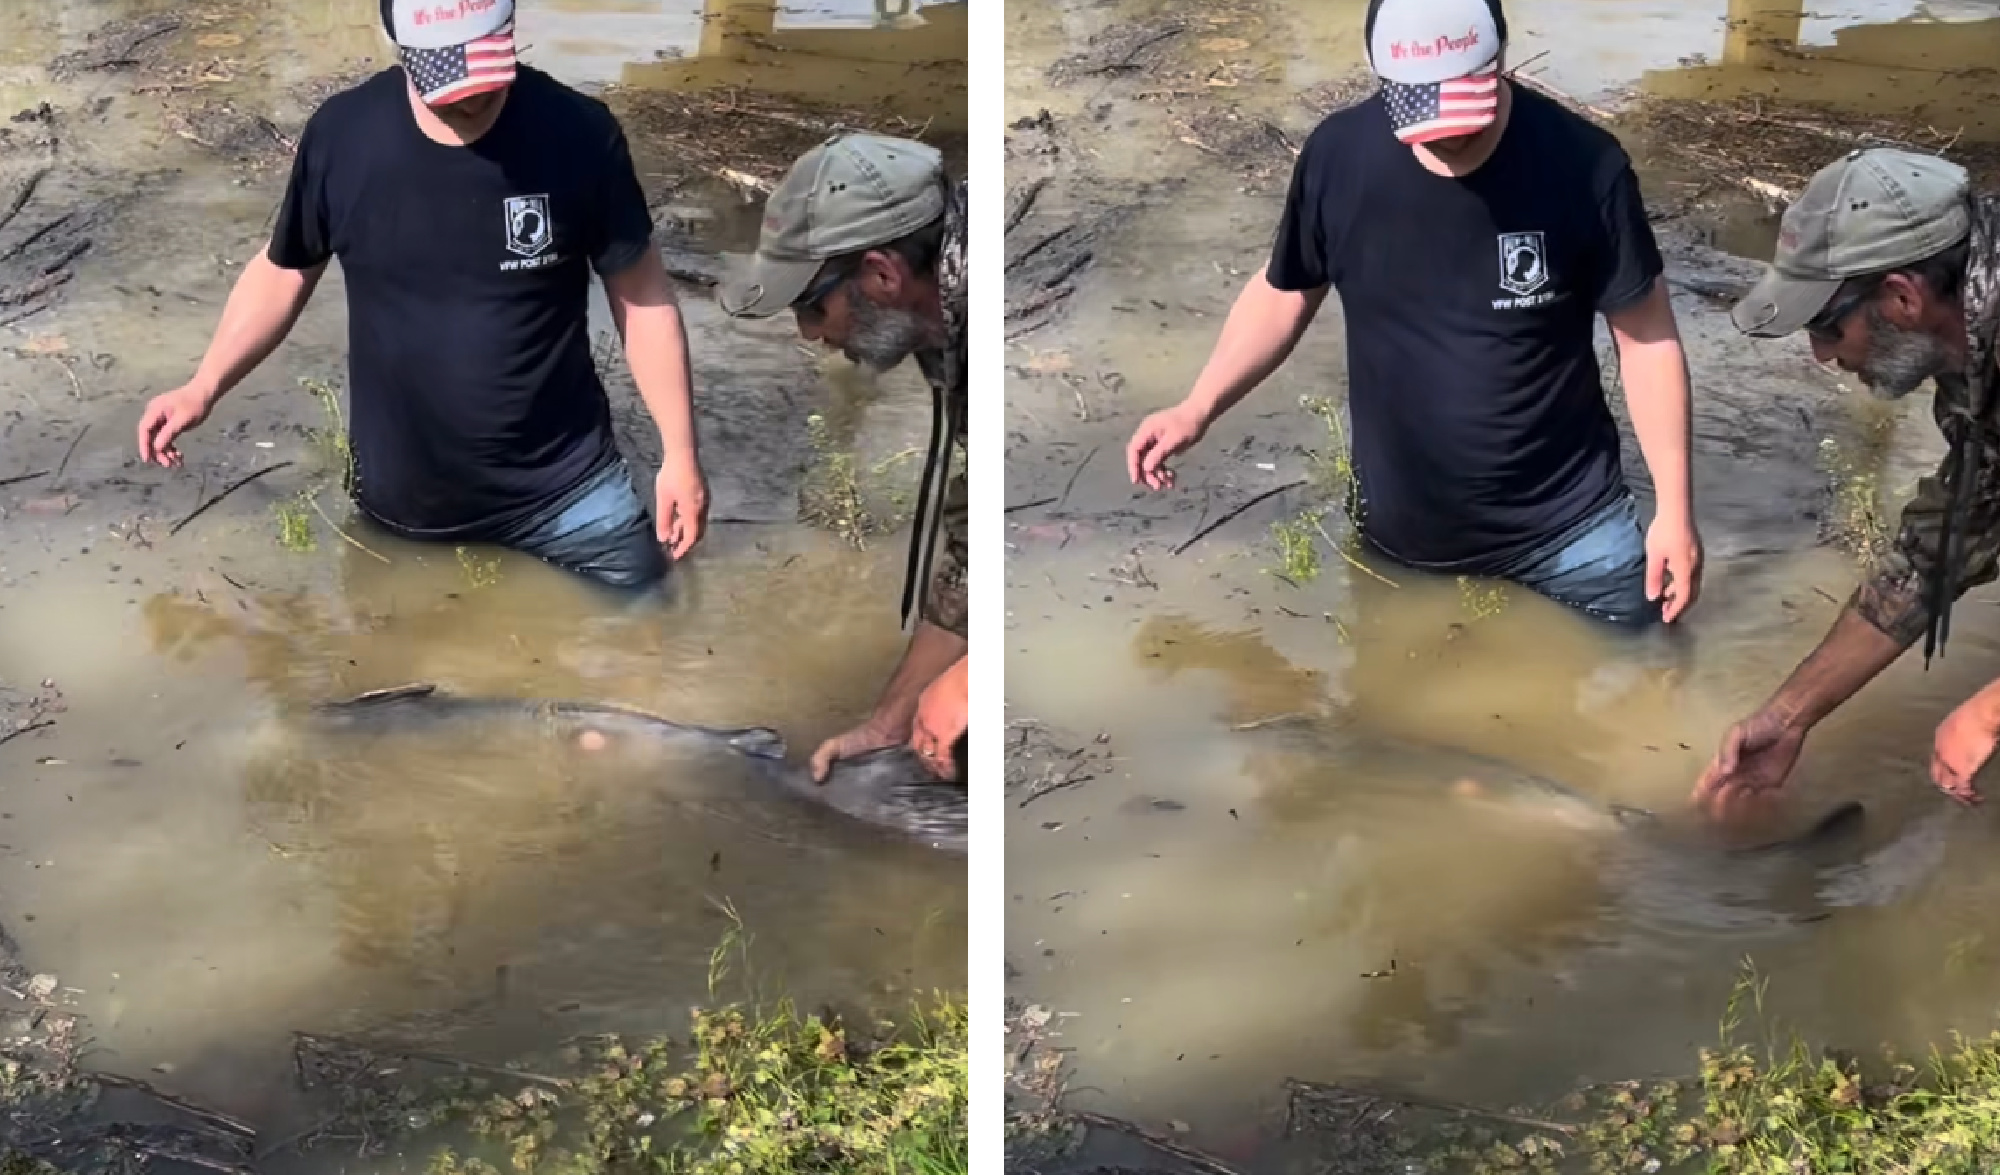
[{"x": 759, "y": 1090}]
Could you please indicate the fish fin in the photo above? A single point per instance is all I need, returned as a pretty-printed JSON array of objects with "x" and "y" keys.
[
  {"x": 1845, "y": 818},
  {"x": 394, "y": 693},
  {"x": 758, "y": 742}
]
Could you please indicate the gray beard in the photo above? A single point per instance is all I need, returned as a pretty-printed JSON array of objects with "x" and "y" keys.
[
  {"x": 1899, "y": 361},
  {"x": 878, "y": 337}
]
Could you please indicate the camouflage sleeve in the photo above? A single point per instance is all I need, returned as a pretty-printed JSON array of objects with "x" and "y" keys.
[
  {"x": 944, "y": 597},
  {"x": 1894, "y": 597}
]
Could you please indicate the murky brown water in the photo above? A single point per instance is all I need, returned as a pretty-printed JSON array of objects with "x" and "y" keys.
[
  {"x": 209, "y": 882},
  {"x": 1197, "y": 956}
]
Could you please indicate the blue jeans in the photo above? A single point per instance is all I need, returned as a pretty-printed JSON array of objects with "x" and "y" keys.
[
  {"x": 602, "y": 531},
  {"x": 1597, "y": 566}
]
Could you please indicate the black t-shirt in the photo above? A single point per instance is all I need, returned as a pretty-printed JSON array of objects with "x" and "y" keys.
[
  {"x": 1480, "y": 427},
  {"x": 474, "y": 399}
]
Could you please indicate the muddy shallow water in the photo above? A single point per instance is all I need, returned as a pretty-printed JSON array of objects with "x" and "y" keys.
[
  {"x": 202, "y": 884},
  {"x": 1203, "y": 914}
]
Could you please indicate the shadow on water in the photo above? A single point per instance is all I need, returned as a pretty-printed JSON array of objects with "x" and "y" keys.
[
  {"x": 209, "y": 879},
  {"x": 1213, "y": 909}
]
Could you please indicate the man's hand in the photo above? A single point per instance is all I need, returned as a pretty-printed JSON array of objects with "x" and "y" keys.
[
  {"x": 872, "y": 735},
  {"x": 1673, "y": 565},
  {"x": 1964, "y": 742},
  {"x": 1756, "y": 758},
  {"x": 1159, "y": 437},
  {"x": 167, "y": 416},
  {"x": 941, "y": 721},
  {"x": 680, "y": 505}
]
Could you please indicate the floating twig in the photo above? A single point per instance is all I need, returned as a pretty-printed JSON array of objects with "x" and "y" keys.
[
  {"x": 214, "y": 1118},
  {"x": 227, "y": 490},
  {"x": 324, "y": 1040},
  {"x": 18, "y": 731},
  {"x": 1419, "y": 1102},
  {"x": 1076, "y": 473},
  {"x": 1357, "y": 564},
  {"x": 68, "y": 453},
  {"x": 1075, "y": 777},
  {"x": 1273, "y": 720},
  {"x": 1229, "y": 516},
  {"x": 352, "y": 541},
  {"x": 1199, "y": 1160}
]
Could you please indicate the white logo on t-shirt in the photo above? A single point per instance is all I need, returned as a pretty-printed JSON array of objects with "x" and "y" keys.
[
  {"x": 528, "y": 231},
  {"x": 1524, "y": 263}
]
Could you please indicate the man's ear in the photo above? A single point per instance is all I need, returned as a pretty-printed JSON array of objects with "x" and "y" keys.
[
  {"x": 1904, "y": 300},
  {"x": 884, "y": 277}
]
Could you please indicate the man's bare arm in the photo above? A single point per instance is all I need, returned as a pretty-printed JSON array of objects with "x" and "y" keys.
[
  {"x": 648, "y": 318},
  {"x": 1653, "y": 367},
  {"x": 1263, "y": 328},
  {"x": 262, "y": 309}
]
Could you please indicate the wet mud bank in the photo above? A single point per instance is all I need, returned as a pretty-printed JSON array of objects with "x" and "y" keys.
[
  {"x": 1202, "y": 931},
  {"x": 169, "y": 851}
]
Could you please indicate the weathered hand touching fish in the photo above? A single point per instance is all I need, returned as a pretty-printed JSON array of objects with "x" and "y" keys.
[{"x": 888, "y": 788}]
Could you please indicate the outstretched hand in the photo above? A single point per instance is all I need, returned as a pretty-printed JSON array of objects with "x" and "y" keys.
[
  {"x": 1673, "y": 566},
  {"x": 1756, "y": 758},
  {"x": 680, "y": 505},
  {"x": 1964, "y": 742},
  {"x": 1158, "y": 438}
]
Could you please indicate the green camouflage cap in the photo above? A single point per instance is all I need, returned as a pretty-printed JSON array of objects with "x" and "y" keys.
[
  {"x": 851, "y": 193},
  {"x": 1868, "y": 212}
]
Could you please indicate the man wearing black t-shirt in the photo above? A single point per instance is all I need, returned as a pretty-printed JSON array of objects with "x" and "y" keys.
[
  {"x": 1474, "y": 230},
  {"x": 468, "y": 201}
]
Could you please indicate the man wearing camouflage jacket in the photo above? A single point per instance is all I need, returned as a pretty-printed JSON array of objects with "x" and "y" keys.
[
  {"x": 1892, "y": 266},
  {"x": 864, "y": 242}
]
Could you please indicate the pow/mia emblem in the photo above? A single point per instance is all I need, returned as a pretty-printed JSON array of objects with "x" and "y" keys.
[
  {"x": 1524, "y": 263},
  {"x": 528, "y": 231}
]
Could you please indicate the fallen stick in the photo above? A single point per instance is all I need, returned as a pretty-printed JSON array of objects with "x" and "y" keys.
[
  {"x": 1019, "y": 212},
  {"x": 227, "y": 490},
  {"x": 1273, "y": 720},
  {"x": 20, "y": 477},
  {"x": 1029, "y": 505},
  {"x": 214, "y": 1118},
  {"x": 340, "y": 1042},
  {"x": 18, "y": 731},
  {"x": 21, "y": 197},
  {"x": 1197, "y": 1159},
  {"x": 1418, "y": 1102},
  {"x": 1212, "y": 527},
  {"x": 356, "y": 543},
  {"x": 1076, "y": 473},
  {"x": 68, "y": 453},
  {"x": 1072, "y": 778}
]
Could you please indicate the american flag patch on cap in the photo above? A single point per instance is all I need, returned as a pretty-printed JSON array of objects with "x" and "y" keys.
[
  {"x": 458, "y": 71},
  {"x": 1460, "y": 106}
]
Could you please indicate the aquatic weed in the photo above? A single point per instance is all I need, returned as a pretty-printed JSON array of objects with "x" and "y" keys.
[
  {"x": 1298, "y": 550},
  {"x": 1856, "y": 518},
  {"x": 835, "y": 492},
  {"x": 1481, "y": 598},
  {"x": 295, "y": 531},
  {"x": 765, "y": 1090},
  {"x": 479, "y": 572},
  {"x": 1330, "y": 476}
]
